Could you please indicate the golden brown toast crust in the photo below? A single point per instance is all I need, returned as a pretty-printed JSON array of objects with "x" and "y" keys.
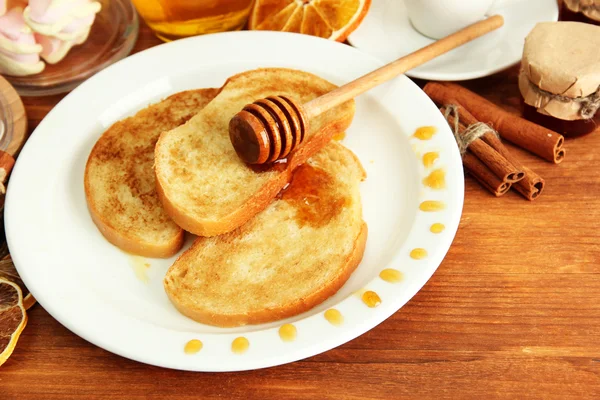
[
  {"x": 306, "y": 85},
  {"x": 289, "y": 310},
  {"x": 119, "y": 178},
  {"x": 290, "y": 257}
]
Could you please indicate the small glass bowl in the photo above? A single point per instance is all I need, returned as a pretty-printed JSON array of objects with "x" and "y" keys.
[{"x": 112, "y": 37}]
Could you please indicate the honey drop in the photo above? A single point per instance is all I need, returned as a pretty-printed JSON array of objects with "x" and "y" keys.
[
  {"x": 140, "y": 267},
  {"x": 418, "y": 254},
  {"x": 436, "y": 179},
  {"x": 334, "y": 317},
  {"x": 431, "y": 205},
  {"x": 240, "y": 345},
  {"x": 429, "y": 158},
  {"x": 437, "y": 228},
  {"x": 425, "y": 132},
  {"x": 371, "y": 299},
  {"x": 287, "y": 332},
  {"x": 391, "y": 275},
  {"x": 339, "y": 136},
  {"x": 193, "y": 346}
]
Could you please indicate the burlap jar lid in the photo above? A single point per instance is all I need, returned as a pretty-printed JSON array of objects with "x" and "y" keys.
[
  {"x": 560, "y": 69},
  {"x": 589, "y": 8}
]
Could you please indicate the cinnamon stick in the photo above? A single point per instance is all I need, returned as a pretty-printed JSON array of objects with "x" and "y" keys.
[
  {"x": 497, "y": 163},
  {"x": 532, "y": 185},
  {"x": 478, "y": 170},
  {"x": 538, "y": 140},
  {"x": 484, "y": 175}
]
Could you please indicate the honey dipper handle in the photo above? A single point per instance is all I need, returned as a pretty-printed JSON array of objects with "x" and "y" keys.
[{"x": 403, "y": 64}]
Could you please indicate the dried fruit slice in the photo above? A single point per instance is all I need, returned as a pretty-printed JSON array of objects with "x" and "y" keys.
[
  {"x": 270, "y": 8},
  {"x": 13, "y": 317},
  {"x": 315, "y": 23},
  {"x": 278, "y": 20},
  {"x": 294, "y": 23},
  {"x": 330, "y": 19},
  {"x": 9, "y": 272}
]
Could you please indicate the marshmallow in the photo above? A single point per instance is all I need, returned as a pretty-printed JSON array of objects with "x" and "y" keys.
[{"x": 19, "y": 52}]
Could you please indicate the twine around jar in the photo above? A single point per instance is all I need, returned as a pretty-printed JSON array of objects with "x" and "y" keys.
[{"x": 589, "y": 104}]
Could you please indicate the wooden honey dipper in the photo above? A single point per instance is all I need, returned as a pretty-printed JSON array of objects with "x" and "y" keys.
[{"x": 269, "y": 129}]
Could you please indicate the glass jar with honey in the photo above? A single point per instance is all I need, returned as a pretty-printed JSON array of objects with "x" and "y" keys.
[
  {"x": 175, "y": 19},
  {"x": 559, "y": 78}
]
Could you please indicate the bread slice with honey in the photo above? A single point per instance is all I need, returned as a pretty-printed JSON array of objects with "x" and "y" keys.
[
  {"x": 119, "y": 178},
  {"x": 203, "y": 184},
  {"x": 287, "y": 259}
]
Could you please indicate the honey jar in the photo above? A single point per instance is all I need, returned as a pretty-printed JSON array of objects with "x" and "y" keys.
[
  {"x": 560, "y": 77},
  {"x": 581, "y": 10}
]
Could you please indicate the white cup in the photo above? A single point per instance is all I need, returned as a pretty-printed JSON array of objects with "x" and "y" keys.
[{"x": 439, "y": 18}]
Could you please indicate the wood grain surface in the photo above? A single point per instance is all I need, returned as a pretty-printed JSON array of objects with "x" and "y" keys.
[{"x": 512, "y": 312}]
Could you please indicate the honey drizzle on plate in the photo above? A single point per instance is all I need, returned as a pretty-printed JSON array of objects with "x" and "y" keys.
[
  {"x": 391, "y": 275},
  {"x": 432, "y": 205},
  {"x": 140, "y": 267},
  {"x": 418, "y": 254},
  {"x": 288, "y": 332},
  {"x": 240, "y": 345},
  {"x": 436, "y": 179},
  {"x": 425, "y": 132},
  {"x": 430, "y": 158},
  {"x": 193, "y": 346},
  {"x": 334, "y": 317},
  {"x": 437, "y": 228},
  {"x": 371, "y": 299}
]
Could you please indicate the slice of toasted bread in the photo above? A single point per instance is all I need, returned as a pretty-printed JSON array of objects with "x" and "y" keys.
[
  {"x": 201, "y": 181},
  {"x": 120, "y": 183},
  {"x": 287, "y": 259}
]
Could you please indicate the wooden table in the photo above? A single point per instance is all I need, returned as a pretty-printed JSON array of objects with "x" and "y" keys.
[{"x": 513, "y": 311}]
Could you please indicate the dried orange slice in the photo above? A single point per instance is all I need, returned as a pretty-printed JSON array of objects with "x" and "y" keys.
[
  {"x": 13, "y": 317},
  {"x": 9, "y": 272},
  {"x": 330, "y": 19}
]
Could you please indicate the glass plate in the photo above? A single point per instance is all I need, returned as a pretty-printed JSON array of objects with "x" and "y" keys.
[{"x": 112, "y": 37}]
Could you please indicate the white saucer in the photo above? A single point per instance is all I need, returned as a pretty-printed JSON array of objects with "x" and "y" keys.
[{"x": 387, "y": 34}]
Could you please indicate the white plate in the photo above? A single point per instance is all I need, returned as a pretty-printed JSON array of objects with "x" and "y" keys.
[
  {"x": 91, "y": 288},
  {"x": 387, "y": 34}
]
